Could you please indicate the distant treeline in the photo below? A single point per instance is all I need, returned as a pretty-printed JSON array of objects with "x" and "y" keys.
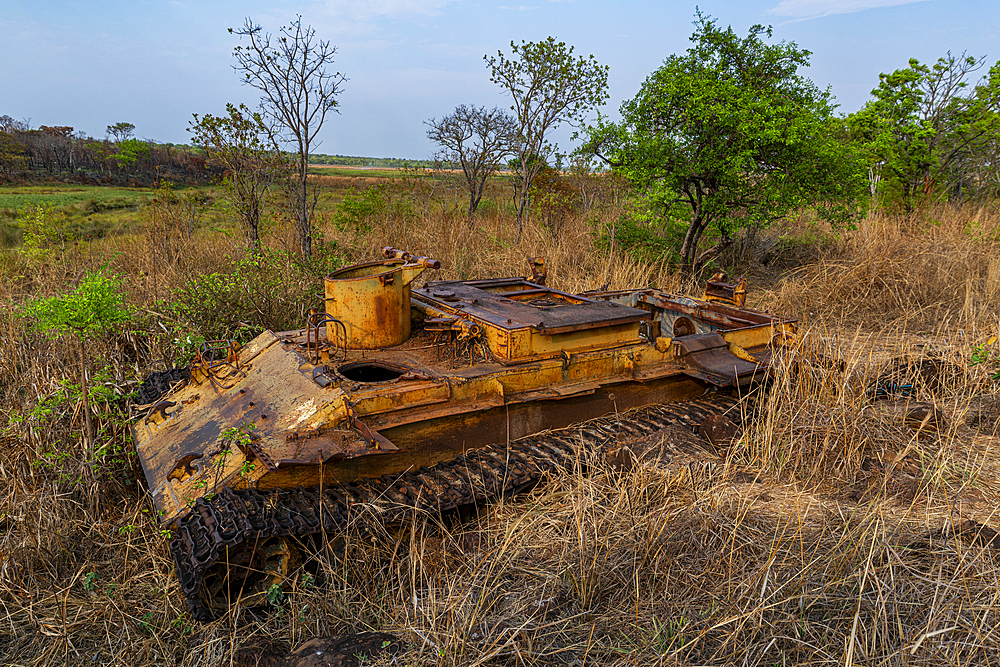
[
  {"x": 28, "y": 153},
  {"x": 120, "y": 159},
  {"x": 387, "y": 162}
]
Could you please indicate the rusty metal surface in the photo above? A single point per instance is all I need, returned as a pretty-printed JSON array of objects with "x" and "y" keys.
[
  {"x": 531, "y": 306},
  {"x": 372, "y": 302},
  {"x": 719, "y": 289},
  {"x": 445, "y": 433},
  {"x": 491, "y": 359},
  {"x": 182, "y": 450}
]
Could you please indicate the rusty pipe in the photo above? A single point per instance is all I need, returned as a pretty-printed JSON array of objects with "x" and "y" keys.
[{"x": 393, "y": 253}]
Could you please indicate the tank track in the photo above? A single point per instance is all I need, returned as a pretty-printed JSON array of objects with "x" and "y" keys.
[{"x": 234, "y": 516}]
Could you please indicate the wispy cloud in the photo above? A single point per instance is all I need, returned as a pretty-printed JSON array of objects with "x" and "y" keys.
[
  {"x": 519, "y": 8},
  {"x": 811, "y": 9}
]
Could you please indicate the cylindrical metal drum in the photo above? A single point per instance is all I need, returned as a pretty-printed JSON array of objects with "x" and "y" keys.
[{"x": 373, "y": 302}]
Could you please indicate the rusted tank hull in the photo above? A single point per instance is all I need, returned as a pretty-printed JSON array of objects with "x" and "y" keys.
[
  {"x": 426, "y": 443},
  {"x": 457, "y": 388},
  {"x": 274, "y": 420}
]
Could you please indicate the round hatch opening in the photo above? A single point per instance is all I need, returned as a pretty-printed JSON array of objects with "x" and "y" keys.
[
  {"x": 543, "y": 303},
  {"x": 370, "y": 371}
]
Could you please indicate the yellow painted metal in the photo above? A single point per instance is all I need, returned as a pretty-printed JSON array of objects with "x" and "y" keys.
[
  {"x": 372, "y": 301},
  {"x": 440, "y": 404}
]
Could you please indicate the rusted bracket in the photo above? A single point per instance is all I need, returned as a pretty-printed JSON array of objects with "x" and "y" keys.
[
  {"x": 371, "y": 438},
  {"x": 320, "y": 377},
  {"x": 314, "y": 320},
  {"x": 718, "y": 289},
  {"x": 214, "y": 355},
  {"x": 538, "y": 270}
]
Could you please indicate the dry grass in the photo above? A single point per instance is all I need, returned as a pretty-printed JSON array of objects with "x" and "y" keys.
[
  {"x": 937, "y": 269},
  {"x": 826, "y": 536}
]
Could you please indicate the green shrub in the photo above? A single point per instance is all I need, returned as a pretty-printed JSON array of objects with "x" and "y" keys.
[
  {"x": 645, "y": 238},
  {"x": 271, "y": 289},
  {"x": 43, "y": 227},
  {"x": 359, "y": 210},
  {"x": 91, "y": 206}
]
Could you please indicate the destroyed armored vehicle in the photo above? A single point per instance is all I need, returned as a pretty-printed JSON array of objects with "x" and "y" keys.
[{"x": 434, "y": 397}]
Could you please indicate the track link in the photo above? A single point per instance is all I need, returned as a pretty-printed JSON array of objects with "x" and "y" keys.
[{"x": 233, "y": 517}]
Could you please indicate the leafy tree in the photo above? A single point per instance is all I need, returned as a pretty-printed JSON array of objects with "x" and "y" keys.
[
  {"x": 476, "y": 138},
  {"x": 925, "y": 126},
  {"x": 241, "y": 142},
  {"x": 730, "y": 135},
  {"x": 121, "y": 131},
  {"x": 552, "y": 197},
  {"x": 299, "y": 91},
  {"x": 92, "y": 307},
  {"x": 130, "y": 151},
  {"x": 548, "y": 86}
]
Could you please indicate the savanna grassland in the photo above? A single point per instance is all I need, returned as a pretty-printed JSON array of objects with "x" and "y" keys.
[{"x": 841, "y": 528}]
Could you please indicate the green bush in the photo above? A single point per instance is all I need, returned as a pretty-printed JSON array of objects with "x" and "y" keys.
[
  {"x": 645, "y": 238},
  {"x": 43, "y": 227},
  {"x": 359, "y": 210},
  {"x": 91, "y": 206},
  {"x": 268, "y": 290}
]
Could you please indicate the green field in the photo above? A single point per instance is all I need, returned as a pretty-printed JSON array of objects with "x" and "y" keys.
[
  {"x": 66, "y": 195},
  {"x": 84, "y": 211}
]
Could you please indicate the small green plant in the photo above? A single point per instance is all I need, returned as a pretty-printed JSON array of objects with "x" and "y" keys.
[
  {"x": 90, "y": 581},
  {"x": 275, "y": 595},
  {"x": 987, "y": 355},
  {"x": 146, "y": 624},
  {"x": 42, "y": 227},
  {"x": 96, "y": 304},
  {"x": 240, "y": 436},
  {"x": 182, "y": 625}
]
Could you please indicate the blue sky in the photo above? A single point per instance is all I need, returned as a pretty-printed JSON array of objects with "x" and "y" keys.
[{"x": 153, "y": 63}]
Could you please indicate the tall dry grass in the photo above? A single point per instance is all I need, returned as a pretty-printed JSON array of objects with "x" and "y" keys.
[
  {"x": 487, "y": 248},
  {"x": 937, "y": 268},
  {"x": 830, "y": 533}
]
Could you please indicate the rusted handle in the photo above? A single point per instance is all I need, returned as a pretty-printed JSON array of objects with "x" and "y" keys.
[{"x": 393, "y": 253}]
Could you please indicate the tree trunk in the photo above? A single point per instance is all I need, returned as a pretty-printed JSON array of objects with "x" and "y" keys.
[
  {"x": 521, "y": 206},
  {"x": 305, "y": 237},
  {"x": 689, "y": 247},
  {"x": 475, "y": 196},
  {"x": 711, "y": 253},
  {"x": 86, "y": 397},
  {"x": 254, "y": 239}
]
